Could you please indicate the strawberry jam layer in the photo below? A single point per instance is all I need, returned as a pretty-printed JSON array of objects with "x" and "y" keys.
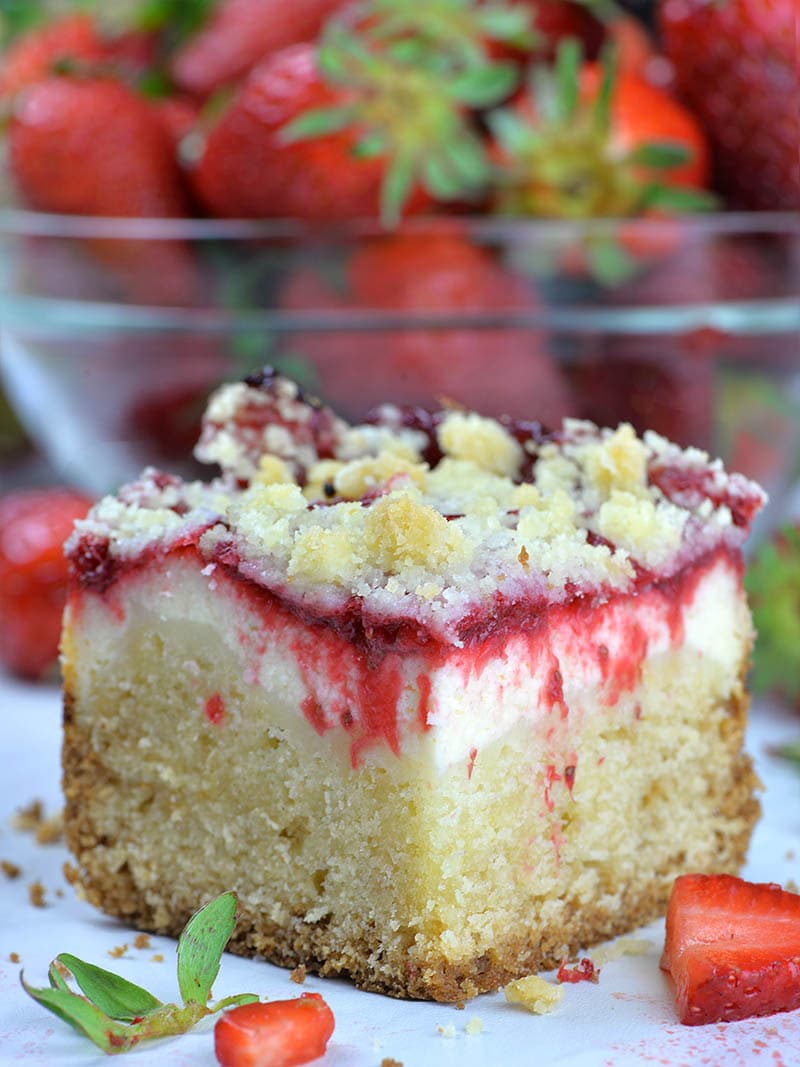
[{"x": 384, "y": 680}]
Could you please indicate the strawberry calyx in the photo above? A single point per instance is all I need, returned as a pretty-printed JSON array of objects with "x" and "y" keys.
[
  {"x": 558, "y": 155},
  {"x": 407, "y": 84}
]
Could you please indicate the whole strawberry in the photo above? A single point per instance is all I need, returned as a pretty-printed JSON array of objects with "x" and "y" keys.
[
  {"x": 247, "y": 171},
  {"x": 737, "y": 64},
  {"x": 431, "y": 275},
  {"x": 93, "y": 146},
  {"x": 239, "y": 34},
  {"x": 33, "y": 575}
]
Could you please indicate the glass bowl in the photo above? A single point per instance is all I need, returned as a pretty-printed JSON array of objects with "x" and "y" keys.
[{"x": 113, "y": 331}]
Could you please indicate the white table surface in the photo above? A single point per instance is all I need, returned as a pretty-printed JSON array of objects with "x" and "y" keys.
[{"x": 627, "y": 1018}]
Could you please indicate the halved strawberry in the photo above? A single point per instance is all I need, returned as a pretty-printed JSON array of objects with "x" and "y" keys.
[
  {"x": 280, "y": 1033},
  {"x": 732, "y": 948}
]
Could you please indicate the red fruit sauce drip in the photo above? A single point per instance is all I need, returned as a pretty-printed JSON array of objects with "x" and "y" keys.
[
  {"x": 351, "y": 660},
  {"x": 424, "y": 686},
  {"x": 473, "y": 755},
  {"x": 214, "y": 709},
  {"x": 585, "y": 971}
]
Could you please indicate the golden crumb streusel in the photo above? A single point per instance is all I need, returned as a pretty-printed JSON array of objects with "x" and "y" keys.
[
  {"x": 534, "y": 993},
  {"x": 434, "y": 520}
]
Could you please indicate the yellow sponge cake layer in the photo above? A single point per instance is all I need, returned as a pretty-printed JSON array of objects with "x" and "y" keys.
[{"x": 432, "y": 821}]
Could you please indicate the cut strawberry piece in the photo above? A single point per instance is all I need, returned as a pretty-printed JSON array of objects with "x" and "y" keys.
[
  {"x": 732, "y": 948},
  {"x": 33, "y": 575},
  {"x": 281, "y": 1033}
]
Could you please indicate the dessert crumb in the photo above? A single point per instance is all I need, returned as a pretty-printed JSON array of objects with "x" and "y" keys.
[
  {"x": 157, "y": 958},
  {"x": 791, "y": 886},
  {"x": 28, "y": 818},
  {"x": 447, "y": 1031},
  {"x": 118, "y": 951},
  {"x": 10, "y": 870},
  {"x": 623, "y": 946},
  {"x": 50, "y": 830},
  {"x": 13, "y": 957},
  {"x": 534, "y": 993},
  {"x": 60, "y": 894},
  {"x": 299, "y": 974},
  {"x": 141, "y": 941},
  {"x": 790, "y": 854},
  {"x": 474, "y": 1025},
  {"x": 70, "y": 873},
  {"x": 460, "y": 1005},
  {"x": 387, "y": 1061},
  {"x": 36, "y": 895},
  {"x": 582, "y": 971}
]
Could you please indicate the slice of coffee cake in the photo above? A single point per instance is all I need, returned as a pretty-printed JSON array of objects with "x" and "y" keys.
[{"x": 442, "y": 698}]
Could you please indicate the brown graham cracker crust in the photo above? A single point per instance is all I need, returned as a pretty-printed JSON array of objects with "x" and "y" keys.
[{"x": 297, "y": 942}]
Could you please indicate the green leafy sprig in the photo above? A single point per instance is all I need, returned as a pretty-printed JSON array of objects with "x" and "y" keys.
[
  {"x": 773, "y": 584},
  {"x": 117, "y": 1015}
]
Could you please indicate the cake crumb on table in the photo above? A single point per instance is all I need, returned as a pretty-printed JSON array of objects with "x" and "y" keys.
[
  {"x": 447, "y": 1031},
  {"x": 28, "y": 818},
  {"x": 36, "y": 895},
  {"x": 157, "y": 958},
  {"x": 71, "y": 874},
  {"x": 474, "y": 1025},
  {"x": 118, "y": 951},
  {"x": 460, "y": 1005},
  {"x": 141, "y": 941},
  {"x": 50, "y": 830},
  {"x": 623, "y": 946},
  {"x": 791, "y": 886},
  {"x": 10, "y": 870},
  {"x": 13, "y": 957},
  {"x": 387, "y": 1061},
  {"x": 298, "y": 974},
  {"x": 534, "y": 993}
]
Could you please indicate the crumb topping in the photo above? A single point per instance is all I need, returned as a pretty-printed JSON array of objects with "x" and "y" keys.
[{"x": 426, "y": 517}]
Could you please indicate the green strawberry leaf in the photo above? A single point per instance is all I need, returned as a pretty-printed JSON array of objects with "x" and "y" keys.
[
  {"x": 660, "y": 155},
  {"x": 789, "y": 751},
  {"x": 117, "y": 1015},
  {"x": 316, "y": 122},
  {"x": 201, "y": 945},
  {"x": 83, "y": 1016},
  {"x": 483, "y": 86},
  {"x": 678, "y": 198},
  {"x": 114, "y": 995}
]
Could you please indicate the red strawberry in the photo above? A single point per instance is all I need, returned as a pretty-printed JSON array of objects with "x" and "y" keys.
[
  {"x": 280, "y": 1033},
  {"x": 737, "y": 64},
  {"x": 72, "y": 39},
  {"x": 239, "y": 34},
  {"x": 247, "y": 171},
  {"x": 437, "y": 274},
  {"x": 94, "y": 147},
  {"x": 33, "y": 575},
  {"x": 732, "y": 948}
]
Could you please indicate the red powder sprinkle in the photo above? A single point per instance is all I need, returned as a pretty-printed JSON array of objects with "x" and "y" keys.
[
  {"x": 215, "y": 709},
  {"x": 585, "y": 971},
  {"x": 569, "y": 777}
]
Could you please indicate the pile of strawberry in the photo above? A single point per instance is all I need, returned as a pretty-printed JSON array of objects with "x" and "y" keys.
[{"x": 330, "y": 109}]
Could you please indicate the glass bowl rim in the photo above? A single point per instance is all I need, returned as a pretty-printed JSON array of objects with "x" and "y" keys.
[{"x": 17, "y": 222}]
